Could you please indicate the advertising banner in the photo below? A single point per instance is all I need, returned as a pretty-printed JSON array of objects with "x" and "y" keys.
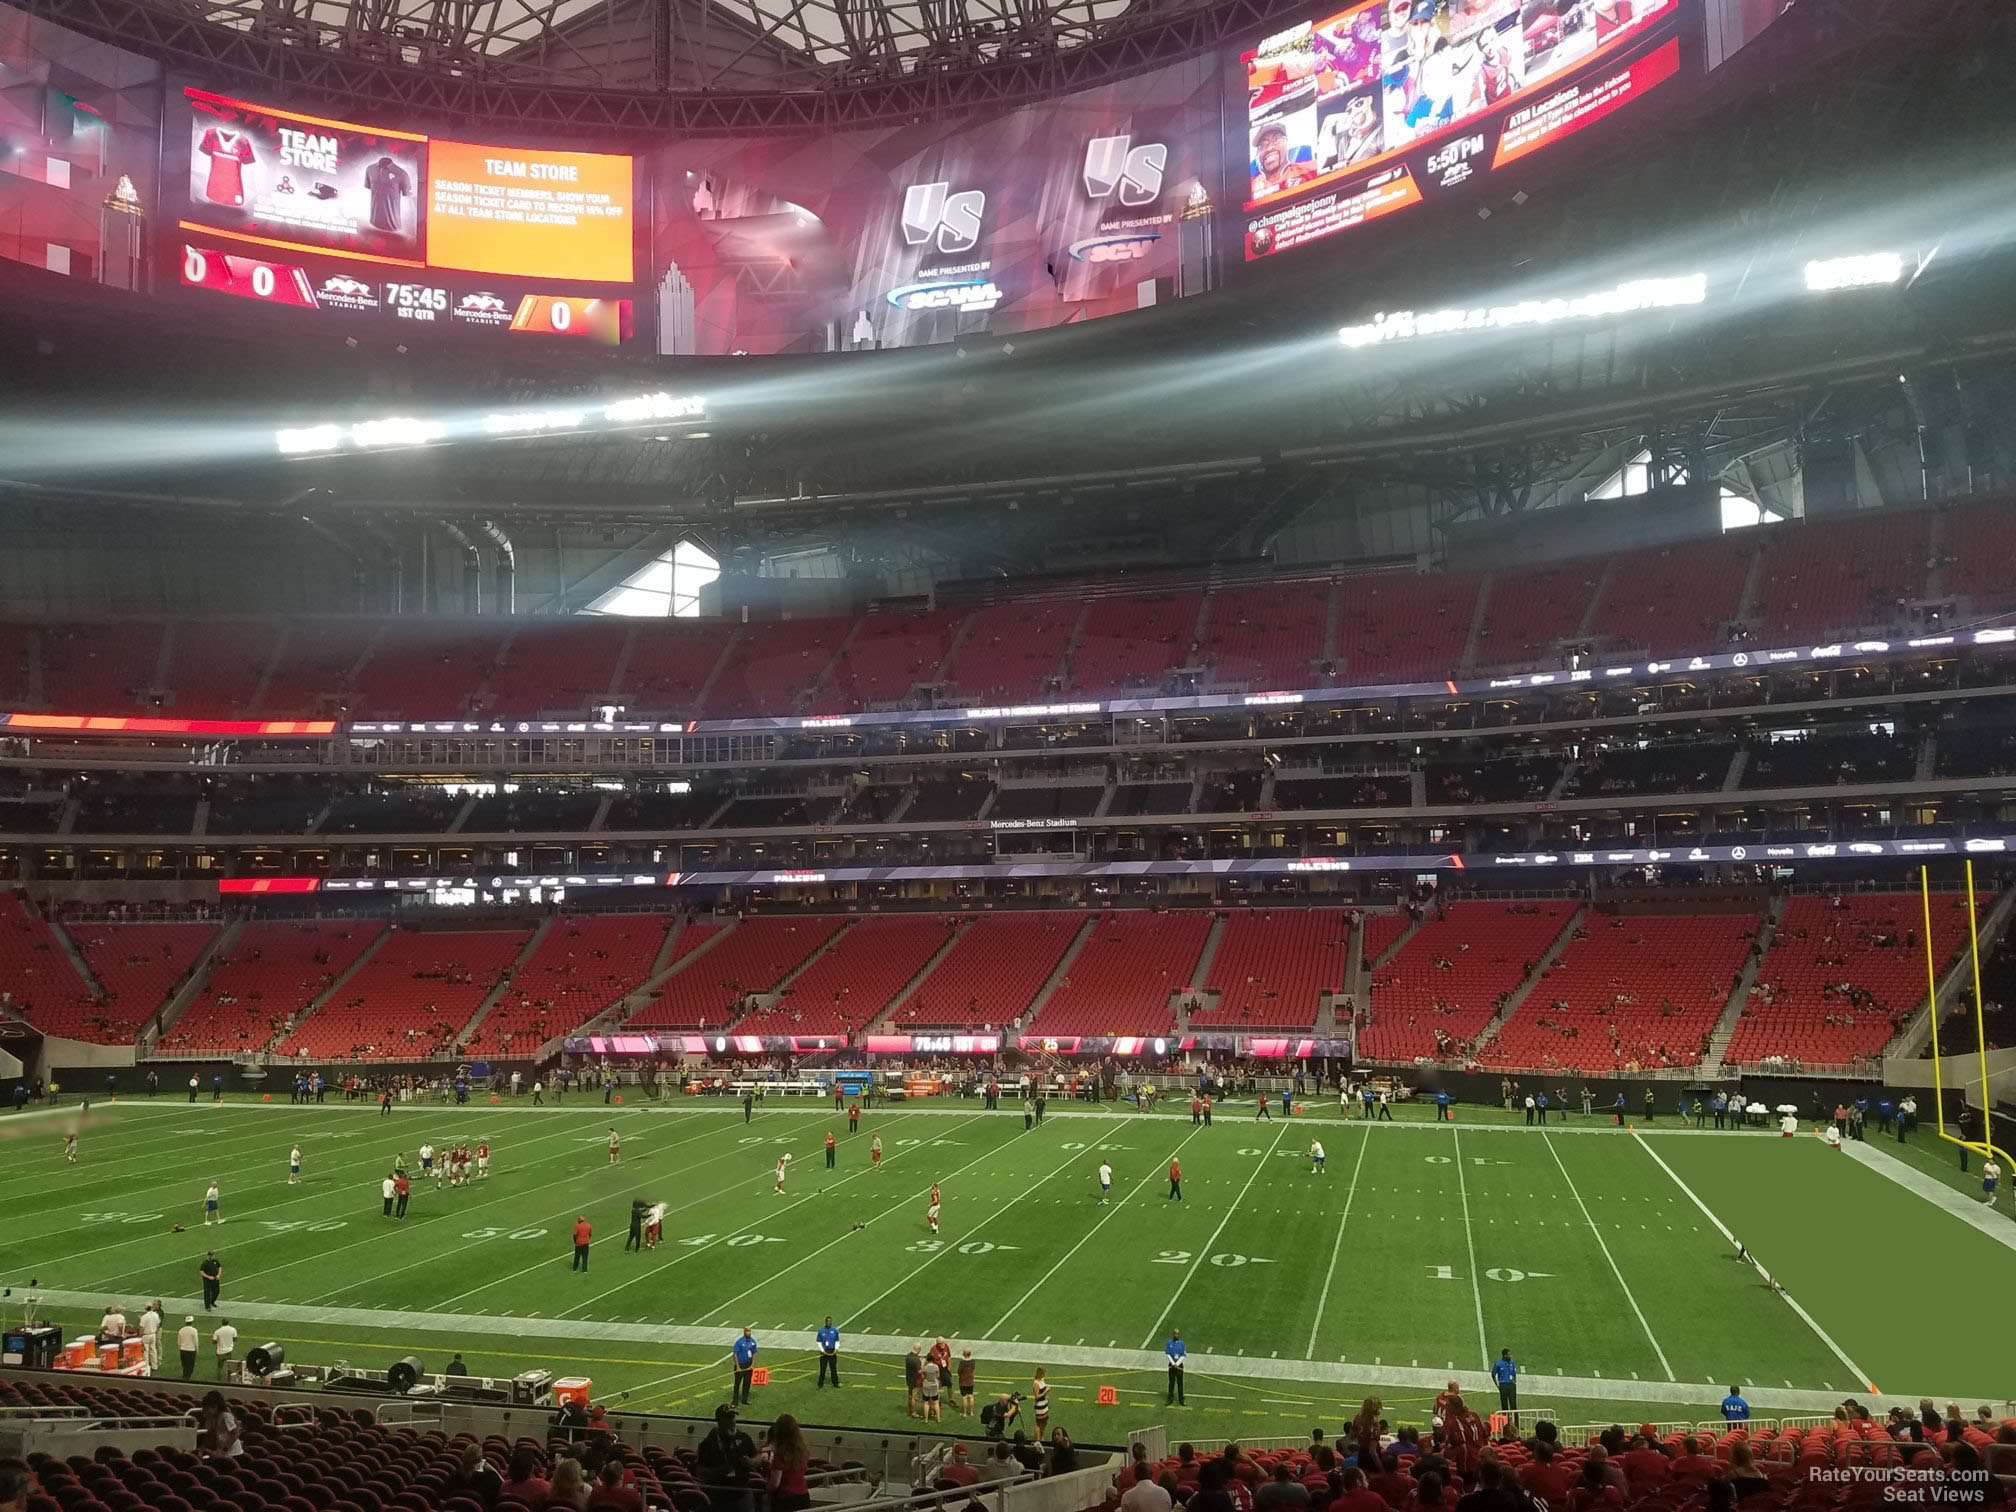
[
  {"x": 367, "y": 223},
  {"x": 1093, "y": 204},
  {"x": 1390, "y": 103}
]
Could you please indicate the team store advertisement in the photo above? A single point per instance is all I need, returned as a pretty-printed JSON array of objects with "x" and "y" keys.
[{"x": 319, "y": 214}]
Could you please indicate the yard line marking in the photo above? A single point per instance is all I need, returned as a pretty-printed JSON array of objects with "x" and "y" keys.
[
  {"x": 1258, "y": 1166},
  {"x": 1470, "y": 1244},
  {"x": 896, "y": 1206},
  {"x": 114, "y": 1283},
  {"x": 440, "y": 1254},
  {"x": 1636, "y": 1310},
  {"x": 1790, "y": 1301},
  {"x": 1070, "y": 1158},
  {"x": 688, "y": 1253},
  {"x": 1087, "y": 1236},
  {"x": 1336, "y": 1249}
]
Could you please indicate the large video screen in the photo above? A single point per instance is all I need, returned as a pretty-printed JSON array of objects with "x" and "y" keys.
[
  {"x": 312, "y": 213},
  {"x": 1392, "y": 102},
  {"x": 1093, "y": 204},
  {"x": 80, "y": 137}
]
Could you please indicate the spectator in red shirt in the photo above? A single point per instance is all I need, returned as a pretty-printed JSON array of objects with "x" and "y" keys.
[
  {"x": 1613, "y": 1477},
  {"x": 583, "y": 1232},
  {"x": 1645, "y": 1463},
  {"x": 1463, "y": 1435},
  {"x": 1546, "y": 1478},
  {"x": 526, "y": 1484},
  {"x": 1353, "y": 1495},
  {"x": 958, "y": 1471},
  {"x": 1453, "y": 1389},
  {"x": 1594, "y": 1493},
  {"x": 1393, "y": 1487},
  {"x": 1692, "y": 1463},
  {"x": 610, "y": 1491},
  {"x": 1365, "y": 1431},
  {"x": 1137, "y": 1469}
]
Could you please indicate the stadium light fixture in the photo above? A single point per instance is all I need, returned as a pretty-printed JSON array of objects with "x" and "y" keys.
[
  {"x": 1869, "y": 270},
  {"x": 374, "y": 435},
  {"x": 1627, "y": 298}
]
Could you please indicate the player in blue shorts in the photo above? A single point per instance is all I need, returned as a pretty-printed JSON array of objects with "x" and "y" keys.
[
  {"x": 1105, "y": 1183},
  {"x": 1315, "y": 1156},
  {"x": 1991, "y": 1173}
]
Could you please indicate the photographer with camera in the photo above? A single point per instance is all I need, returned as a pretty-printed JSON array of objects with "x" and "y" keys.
[{"x": 1001, "y": 1414}]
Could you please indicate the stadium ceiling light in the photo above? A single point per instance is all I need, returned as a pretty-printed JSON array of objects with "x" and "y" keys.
[
  {"x": 1627, "y": 298},
  {"x": 1870, "y": 270},
  {"x": 373, "y": 435}
]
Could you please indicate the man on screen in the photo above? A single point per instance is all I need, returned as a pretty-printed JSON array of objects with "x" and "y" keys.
[
  {"x": 1276, "y": 166},
  {"x": 1349, "y": 135}
]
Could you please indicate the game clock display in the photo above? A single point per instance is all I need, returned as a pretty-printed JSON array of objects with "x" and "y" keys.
[{"x": 414, "y": 300}]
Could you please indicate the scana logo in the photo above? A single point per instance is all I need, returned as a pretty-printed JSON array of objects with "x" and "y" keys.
[
  {"x": 1114, "y": 163},
  {"x": 934, "y": 212}
]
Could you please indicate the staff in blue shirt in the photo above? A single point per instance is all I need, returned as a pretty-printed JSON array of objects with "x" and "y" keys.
[
  {"x": 1734, "y": 1408},
  {"x": 1617, "y": 1110},
  {"x": 829, "y": 1352},
  {"x": 1505, "y": 1371},
  {"x": 1176, "y": 1352},
  {"x": 745, "y": 1368},
  {"x": 1442, "y": 1101}
]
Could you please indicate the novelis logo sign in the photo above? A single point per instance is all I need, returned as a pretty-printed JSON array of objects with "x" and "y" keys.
[
  {"x": 933, "y": 213},
  {"x": 1113, "y": 163}
]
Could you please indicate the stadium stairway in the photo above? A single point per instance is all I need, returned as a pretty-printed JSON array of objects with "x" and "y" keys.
[
  {"x": 683, "y": 946},
  {"x": 1725, "y": 1026},
  {"x": 685, "y": 940},
  {"x": 294, "y": 1020},
  {"x": 1533, "y": 979},
  {"x": 69, "y": 948},
  {"x": 178, "y": 1002},
  {"x": 880, "y": 1022},
  {"x": 467, "y": 1033},
  {"x": 1058, "y": 972},
  {"x": 1356, "y": 977},
  {"x": 1200, "y": 977}
]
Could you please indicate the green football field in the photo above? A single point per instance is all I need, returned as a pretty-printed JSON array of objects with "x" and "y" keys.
[{"x": 1602, "y": 1258}]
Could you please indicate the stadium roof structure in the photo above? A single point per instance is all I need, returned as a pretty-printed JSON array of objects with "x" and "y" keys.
[{"x": 602, "y": 66}]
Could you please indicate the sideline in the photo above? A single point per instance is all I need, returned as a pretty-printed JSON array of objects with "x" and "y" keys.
[
  {"x": 1970, "y": 1211},
  {"x": 1699, "y": 1395},
  {"x": 960, "y": 1108}
]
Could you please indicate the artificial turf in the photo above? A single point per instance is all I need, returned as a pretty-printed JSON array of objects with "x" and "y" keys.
[{"x": 1597, "y": 1255}]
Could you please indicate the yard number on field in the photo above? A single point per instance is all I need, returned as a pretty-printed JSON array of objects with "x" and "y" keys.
[{"x": 970, "y": 1247}]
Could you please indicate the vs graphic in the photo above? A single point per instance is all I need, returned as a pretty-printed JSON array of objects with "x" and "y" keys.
[
  {"x": 934, "y": 215},
  {"x": 1113, "y": 162}
]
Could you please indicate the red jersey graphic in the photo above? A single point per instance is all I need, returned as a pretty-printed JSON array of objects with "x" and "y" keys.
[{"x": 229, "y": 151}]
